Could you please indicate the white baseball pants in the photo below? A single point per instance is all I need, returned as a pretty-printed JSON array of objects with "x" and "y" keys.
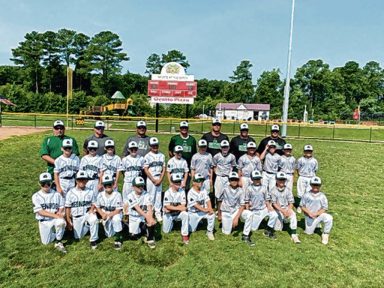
[
  {"x": 134, "y": 224},
  {"x": 303, "y": 185},
  {"x": 269, "y": 181},
  {"x": 196, "y": 217},
  {"x": 51, "y": 230},
  {"x": 227, "y": 219},
  {"x": 245, "y": 181},
  {"x": 66, "y": 185},
  {"x": 85, "y": 223},
  {"x": 206, "y": 185},
  {"x": 168, "y": 219},
  {"x": 220, "y": 183},
  {"x": 289, "y": 182},
  {"x": 112, "y": 225},
  {"x": 155, "y": 194},
  {"x": 311, "y": 224},
  {"x": 92, "y": 184},
  {"x": 127, "y": 189},
  {"x": 281, "y": 219},
  {"x": 259, "y": 215}
]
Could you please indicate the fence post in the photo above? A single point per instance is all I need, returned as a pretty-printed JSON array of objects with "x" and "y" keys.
[
  {"x": 72, "y": 121},
  {"x": 202, "y": 126},
  {"x": 298, "y": 136},
  {"x": 170, "y": 125},
  {"x": 233, "y": 127},
  {"x": 35, "y": 120},
  {"x": 370, "y": 134},
  {"x": 266, "y": 128},
  {"x": 333, "y": 133}
]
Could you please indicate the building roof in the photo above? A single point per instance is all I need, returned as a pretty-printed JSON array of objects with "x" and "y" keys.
[{"x": 243, "y": 106}]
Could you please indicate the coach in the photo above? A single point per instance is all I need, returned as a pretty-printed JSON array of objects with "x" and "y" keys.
[
  {"x": 214, "y": 137},
  {"x": 97, "y": 136},
  {"x": 185, "y": 140},
  {"x": 238, "y": 145},
  {"x": 275, "y": 136},
  {"x": 141, "y": 138}
]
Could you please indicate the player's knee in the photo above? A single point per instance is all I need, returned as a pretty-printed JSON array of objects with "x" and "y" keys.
[
  {"x": 92, "y": 219},
  {"x": 328, "y": 218}
]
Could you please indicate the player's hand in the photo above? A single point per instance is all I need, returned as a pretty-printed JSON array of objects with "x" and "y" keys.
[
  {"x": 104, "y": 216},
  {"x": 99, "y": 187},
  {"x": 125, "y": 218},
  {"x": 166, "y": 210},
  {"x": 60, "y": 190},
  {"x": 210, "y": 211},
  {"x": 69, "y": 225},
  {"x": 235, "y": 222},
  {"x": 183, "y": 208}
]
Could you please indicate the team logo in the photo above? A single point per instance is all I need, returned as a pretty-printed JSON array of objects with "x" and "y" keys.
[{"x": 172, "y": 68}]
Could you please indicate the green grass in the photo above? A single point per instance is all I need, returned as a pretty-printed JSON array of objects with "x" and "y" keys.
[{"x": 352, "y": 176}]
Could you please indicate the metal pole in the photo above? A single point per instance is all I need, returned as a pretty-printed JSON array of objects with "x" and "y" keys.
[
  {"x": 288, "y": 78},
  {"x": 157, "y": 117}
]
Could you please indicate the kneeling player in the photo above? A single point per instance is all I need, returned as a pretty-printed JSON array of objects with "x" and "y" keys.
[
  {"x": 282, "y": 201},
  {"x": 199, "y": 206},
  {"x": 141, "y": 221},
  {"x": 174, "y": 207},
  {"x": 80, "y": 210},
  {"x": 232, "y": 208},
  {"x": 109, "y": 205},
  {"x": 49, "y": 208},
  {"x": 314, "y": 204}
]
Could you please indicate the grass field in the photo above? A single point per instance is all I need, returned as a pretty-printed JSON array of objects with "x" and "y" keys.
[{"x": 351, "y": 173}]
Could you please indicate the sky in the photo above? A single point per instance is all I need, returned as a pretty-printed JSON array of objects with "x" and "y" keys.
[{"x": 214, "y": 35}]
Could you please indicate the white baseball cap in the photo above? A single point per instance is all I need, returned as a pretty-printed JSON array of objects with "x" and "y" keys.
[
  {"x": 138, "y": 181},
  {"x": 176, "y": 178},
  {"x": 198, "y": 178},
  {"x": 178, "y": 148},
  {"x": 81, "y": 175},
  {"x": 287, "y": 146},
  {"x": 109, "y": 143},
  {"x": 93, "y": 144},
  {"x": 233, "y": 175},
  {"x": 67, "y": 143},
  {"x": 224, "y": 143},
  {"x": 271, "y": 143},
  {"x": 308, "y": 148},
  {"x": 58, "y": 123},
  {"x": 315, "y": 181},
  {"x": 141, "y": 124},
  {"x": 132, "y": 144},
  {"x": 244, "y": 126},
  {"x": 107, "y": 179},
  {"x": 184, "y": 124},
  {"x": 99, "y": 124},
  {"x": 255, "y": 175},
  {"x": 153, "y": 141},
  {"x": 281, "y": 176},
  {"x": 216, "y": 121},
  {"x": 202, "y": 143},
  {"x": 45, "y": 177},
  {"x": 251, "y": 145},
  {"x": 275, "y": 128}
]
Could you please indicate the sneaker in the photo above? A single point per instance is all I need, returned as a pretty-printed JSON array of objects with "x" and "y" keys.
[
  {"x": 324, "y": 238},
  {"x": 210, "y": 236},
  {"x": 247, "y": 240},
  {"x": 60, "y": 246},
  {"x": 93, "y": 245},
  {"x": 151, "y": 244},
  {"x": 117, "y": 245},
  {"x": 270, "y": 234},
  {"x": 298, "y": 210},
  {"x": 295, "y": 239},
  {"x": 185, "y": 239}
]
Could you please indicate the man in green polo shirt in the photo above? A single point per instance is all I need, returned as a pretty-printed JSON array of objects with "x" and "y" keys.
[
  {"x": 185, "y": 140},
  {"x": 51, "y": 146}
]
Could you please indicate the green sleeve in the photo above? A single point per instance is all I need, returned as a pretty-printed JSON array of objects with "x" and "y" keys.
[
  {"x": 171, "y": 145},
  {"x": 75, "y": 149},
  {"x": 44, "y": 150},
  {"x": 194, "y": 146}
]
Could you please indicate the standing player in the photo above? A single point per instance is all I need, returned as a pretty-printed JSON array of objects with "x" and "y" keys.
[
  {"x": 111, "y": 163},
  {"x": 271, "y": 165},
  {"x": 154, "y": 168},
  {"x": 48, "y": 205},
  {"x": 80, "y": 210},
  {"x": 109, "y": 205},
  {"x": 247, "y": 163},
  {"x": 315, "y": 205},
  {"x": 185, "y": 140},
  {"x": 239, "y": 143},
  {"x": 288, "y": 165},
  {"x": 307, "y": 167},
  {"x": 199, "y": 206},
  {"x": 202, "y": 163},
  {"x": 174, "y": 207},
  {"x": 178, "y": 165},
  {"x": 214, "y": 137},
  {"x": 282, "y": 201},
  {"x": 141, "y": 220},
  {"x": 91, "y": 164},
  {"x": 98, "y": 136},
  {"x": 275, "y": 136},
  {"x": 66, "y": 167},
  {"x": 141, "y": 138}
]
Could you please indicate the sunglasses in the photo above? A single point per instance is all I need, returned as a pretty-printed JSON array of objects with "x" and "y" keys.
[
  {"x": 92, "y": 149},
  {"x": 67, "y": 148},
  {"x": 99, "y": 128},
  {"x": 199, "y": 180},
  {"x": 58, "y": 128},
  {"x": 141, "y": 127},
  {"x": 216, "y": 124},
  {"x": 43, "y": 184}
]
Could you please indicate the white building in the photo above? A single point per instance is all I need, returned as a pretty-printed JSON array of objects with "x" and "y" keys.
[{"x": 241, "y": 111}]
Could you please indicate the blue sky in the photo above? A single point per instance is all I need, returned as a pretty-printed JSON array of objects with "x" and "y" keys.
[{"x": 214, "y": 35}]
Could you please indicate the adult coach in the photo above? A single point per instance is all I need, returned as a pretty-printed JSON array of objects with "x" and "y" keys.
[
  {"x": 185, "y": 140},
  {"x": 51, "y": 146},
  {"x": 275, "y": 136},
  {"x": 214, "y": 137},
  {"x": 238, "y": 145},
  {"x": 141, "y": 138},
  {"x": 97, "y": 136}
]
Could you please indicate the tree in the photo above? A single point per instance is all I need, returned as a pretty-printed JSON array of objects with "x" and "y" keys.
[
  {"x": 153, "y": 64},
  {"x": 269, "y": 90},
  {"x": 51, "y": 57},
  {"x": 242, "y": 79}
]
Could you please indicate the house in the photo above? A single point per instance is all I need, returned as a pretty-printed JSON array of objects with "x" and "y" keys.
[{"x": 242, "y": 111}]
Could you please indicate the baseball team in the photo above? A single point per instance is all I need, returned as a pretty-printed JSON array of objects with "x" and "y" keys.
[{"x": 232, "y": 181}]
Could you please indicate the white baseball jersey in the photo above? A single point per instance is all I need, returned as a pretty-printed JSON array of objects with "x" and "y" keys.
[
  {"x": 111, "y": 164},
  {"x": 132, "y": 167},
  {"x": 91, "y": 165},
  {"x": 224, "y": 164},
  {"x": 79, "y": 201},
  {"x": 202, "y": 163},
  {"x": 50, "y": 202},
  {"x": 67, "y": 167},
  {"x": 256, "y": 196},
  {"x": 282, "y": 198},
  {"x": 232, "y": 199},
  {"x": 155, "y": 162},
  {"x": 247, "y": 164},
  {"x": 287, "y": 164},
  {"x": 195, "y": 197},
  {"x": 143, "y": 200},
  {"x": 174, "y": 198},
  {"x": 307, "y": 167},
  {"x": 314, "y": 201},
  {"x": 177, "y": 166},
  {"x": 109, "y": 202},
  {"x": 271, "y": 162}
]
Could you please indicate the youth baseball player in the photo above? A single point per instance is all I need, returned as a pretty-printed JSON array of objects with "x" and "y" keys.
[
  {"x": 247, "y": 163},
  {"x": 232, "y": 208},
  {"x": 66, "y": 167},
  {"x": 48, "y": 206},
  {"x": 288, "y": 164},
  {"x": 199, "y": 206},
  {"x": 282, "y": 201},
  {"x": 202, "y": 163},
  {"x": 109, "y": 205},
  {"x": 314, "y": 204},
  {"x": 80, "y": 210},
  {"x": 141, "y": 221},
  {"x": 175, "y": 207},
  {"x": 270, "y": 165},
  {"x": 258, "y": 203},
  {"x": 111, "y": 163},
  {"x": 178, "y": 165},
  {"x": 91, "y": 164},
  {"x": 154, "y": 168}
]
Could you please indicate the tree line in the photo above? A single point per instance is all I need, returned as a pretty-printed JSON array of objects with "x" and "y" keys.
[{"x": 37, "y": 81}]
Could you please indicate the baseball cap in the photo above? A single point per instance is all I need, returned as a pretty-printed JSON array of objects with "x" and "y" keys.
[
  {"x": 251, "y": 145},
  {"x": 281, "y": 176},
  {"x": 107, "y": 179},
  {"x": 67, "y": 143},
  {"x": 244, "y": 126},
  {"x": 202, "y": 143},
  {"x": 81, "y": 175},
  {"x": 271, "y": 143},
  {"x": 93, "y": 144},
  {"x": 287, "y": 146},
  {"x": 109, "y": 143},
  {"x": 184, "y": 124},
  {"x": 138, "y": 182},
  {"x": 178, "y": 148},
  {"x": 198, "y": 178},
  {"x": 275, "y": 128},
  {"x": 153, "y": 141},
  {"x": 45, "y": 177},
  {"x": 308, "y": 148},
  {"x": 216, "y": 121},
  {"x": 141, "y": 124},
  {"x": 315, "y": 181},
  {"x": 176, "y": 178},
  {"x": 99, "y": 124},
  {"x": 256, "y": 175},
  {"x": 233, "y": 175},
  {"x": 58, "y": 123},
  {"x": 132, "y": 144},
  {"x": 224, "y": 143}
]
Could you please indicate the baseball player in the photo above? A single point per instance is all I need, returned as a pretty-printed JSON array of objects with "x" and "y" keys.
[
  {"x": 232, "y": 208},
  {"x": 178, "y": 165},
  {"x": 91, "y": 164},
  {"x": 141, "y": 221},
  {"x": 80, "y": 210},
  {"x": 288, "y": 164},
  {"x": 66, "y": 167},
  {"x": 202, "y": 163},
  {"x": 154, "y": 168},
  {"x": 174, "y": 207},
  {"x": 282, "y": 201},
  {"x": 270, "y": 165},
  {"x": 258, "y": 202},
  {"x": 247, "y": 163},
  {"x": 314, "y": 204},
  {"x": 48, "y": 206},
  {"x": 109, "y": 205},
  {"x": 223, "y": 163},
  {"x": 307, "y": 167},
  {"x": 199, "y": 206},
  {"x": 111, "y": 163}
]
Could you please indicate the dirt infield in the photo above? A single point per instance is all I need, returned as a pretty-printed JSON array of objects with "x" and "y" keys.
[{"x": 7, "y": 132}]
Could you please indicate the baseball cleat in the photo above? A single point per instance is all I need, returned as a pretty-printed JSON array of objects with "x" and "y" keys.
[
  {"x": 210, "y": 236},
  {"x": 295, "y": 239},
  {"x": 270, "y": 234},
  {"x": 59, "y": 246},
  {"x": 324, "y": 238},
  {"x": 185, "y": 239},
  {"x": 298, "y": 210},
  {"x": 93, "y": 245},
  {"x": 247, "y": 240},
  {"x": 151, "y": 244},
  {"x": 117, "y": 245},
  {"x": 159, "y": 219}
]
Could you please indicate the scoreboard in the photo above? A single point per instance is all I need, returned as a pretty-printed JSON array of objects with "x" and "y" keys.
[{"x": 165, "y": 88}]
